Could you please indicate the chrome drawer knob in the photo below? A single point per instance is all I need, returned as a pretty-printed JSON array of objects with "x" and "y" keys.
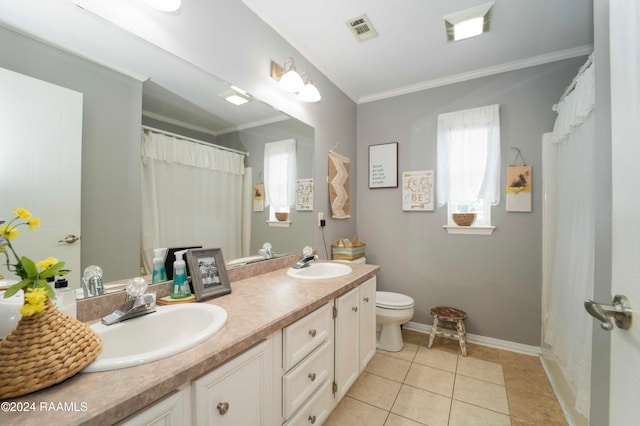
[
  {"x": 312, "y": 332},
  {"x": 312, "y": 419},
  {"x": 354, "y": 309},
  {"x": 366, "y": 299},
  {"x": 312, "y": 376},
  {"x": 223, "y": 407}
]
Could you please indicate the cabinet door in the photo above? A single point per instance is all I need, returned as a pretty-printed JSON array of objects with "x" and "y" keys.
[
  {"x": 347, "y": 362},
  {"x": 172, "y": 411},
  {"x": 367, "y": 322},
  {"x": 239, "y": 392}
]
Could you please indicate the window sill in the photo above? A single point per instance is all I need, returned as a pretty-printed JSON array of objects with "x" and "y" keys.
[
  {"x": 469, "y": 230},
  {"x": 278, "y": 223}
]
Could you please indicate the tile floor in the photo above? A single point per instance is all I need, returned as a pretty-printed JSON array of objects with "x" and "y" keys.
[{"x": 440, "y": 387}]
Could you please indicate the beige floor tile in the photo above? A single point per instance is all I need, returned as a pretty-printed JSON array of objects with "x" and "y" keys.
[
  {"x": 443, "y": 360},
  {"x": 430, "y": 379},
  {"x": 388, "y": 367},
  {"x": 519, "y": 360},
  {"x": 445, "y": 344},
  {"x": 483, "y": 352},
  {"x": 517, "y": 421},
  {"x": 523, "y": 382},
  {"x": 536, "y": 409},
  {"x": 480, "y": 369},
  {"x": 407, "y": 353},
  {"x": 481, "y": 393},
  {"x": 414, "y": 337},
  {"x": 396, "y": 420},
  {"x": 355, "y": 413},
  {"x": 422, "y": 406},
  {"x": 375, "y": 390},
  {"x": 463, "y": 414}
]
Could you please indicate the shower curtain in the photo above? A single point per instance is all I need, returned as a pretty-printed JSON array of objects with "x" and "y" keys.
[
  {"x": 569, "y": 236},
  {"x": 191, "y": 195}
]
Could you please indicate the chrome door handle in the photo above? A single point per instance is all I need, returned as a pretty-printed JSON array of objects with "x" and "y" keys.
[
  {"x": 619, "y": 310},
  {"x": 69, "y": 239},
  {"x": 223, "y": 407}
]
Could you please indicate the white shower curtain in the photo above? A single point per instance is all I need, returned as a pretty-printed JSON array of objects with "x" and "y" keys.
[
  {"x": 569, "y": 235},
  {"x": 191, "y": 195}
]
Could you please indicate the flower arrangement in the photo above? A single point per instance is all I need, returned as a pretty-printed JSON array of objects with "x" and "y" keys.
[{"x": 33, "y": 275}]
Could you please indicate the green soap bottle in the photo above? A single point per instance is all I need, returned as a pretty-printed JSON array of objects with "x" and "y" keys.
[{"x": 180, "y": 286}]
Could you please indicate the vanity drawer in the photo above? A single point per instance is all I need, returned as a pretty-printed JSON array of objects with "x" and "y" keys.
[
  {"x": 306, "y": 334},
  {"x": 305, "y": 378},
  {"x": 316, "y": 410}
]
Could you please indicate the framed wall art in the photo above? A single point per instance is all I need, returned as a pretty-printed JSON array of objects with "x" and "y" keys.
[
  {"x": 383, "y": 165},
  {"x": 417, "y": 190},
  {"x": 519, "y": 189},
  {"x": 208, "y": 273}
]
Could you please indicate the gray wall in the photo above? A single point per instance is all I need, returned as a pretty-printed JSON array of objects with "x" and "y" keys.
[
  {"x": 496, "y": 279},
  {"x": 110, "y": 149}
]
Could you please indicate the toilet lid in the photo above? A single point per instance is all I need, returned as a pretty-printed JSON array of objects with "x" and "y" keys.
[{"x": 389, "y": 300}]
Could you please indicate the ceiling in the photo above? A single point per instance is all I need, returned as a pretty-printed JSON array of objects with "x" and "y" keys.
[{"x": 411, "y": 52}]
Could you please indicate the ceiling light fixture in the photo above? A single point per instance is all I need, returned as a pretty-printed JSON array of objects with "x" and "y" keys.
[
  {"x": 468, "y": 23},
  {"x": 291, "y": 81},
  {"x": 164, "y": 5},
  {"x": 235, "y": 96}
]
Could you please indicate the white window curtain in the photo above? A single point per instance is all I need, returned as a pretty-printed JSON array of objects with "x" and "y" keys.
[
  {"x": 569, "y": 235},
  {"x": 280, "y": 174},
  {"x": 191, "y": 195},
  {"x": 468, "y": 170}
]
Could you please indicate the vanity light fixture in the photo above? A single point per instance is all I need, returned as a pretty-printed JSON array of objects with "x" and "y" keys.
[
  {"x": 289, "y": 80},
  {"x": 469, "y": 22},
  {"x": 164, "y": 5}
]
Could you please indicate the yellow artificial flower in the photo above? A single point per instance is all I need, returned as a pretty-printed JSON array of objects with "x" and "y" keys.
[
  {"x": 9, "y": 232},
  {"x": 47, "y": 263},
  {"x": 35, "y": 300},
  {"x": 22, "y": 213},
  {"x": 34, "y": 222}
]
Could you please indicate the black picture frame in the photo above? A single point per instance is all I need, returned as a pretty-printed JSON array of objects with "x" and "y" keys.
[
  {"x": 383, "y": 165},
  {"x": 208, "y": 273}
]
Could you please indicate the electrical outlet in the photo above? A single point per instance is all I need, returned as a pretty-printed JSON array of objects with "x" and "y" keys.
[{"x": 320, "y": 218}]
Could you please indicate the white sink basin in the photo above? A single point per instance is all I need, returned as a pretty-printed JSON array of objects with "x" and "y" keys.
[
  {"x": 166, "y": 332},
  {"x": 320, "y": 271}
]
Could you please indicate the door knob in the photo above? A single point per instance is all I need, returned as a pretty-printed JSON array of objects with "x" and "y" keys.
[
  {"x": 619, "y": 310},
  {"x": 223, "y": 407},
  {"x": 69, "y": 239}
]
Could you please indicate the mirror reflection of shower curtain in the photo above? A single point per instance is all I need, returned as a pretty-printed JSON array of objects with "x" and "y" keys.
[
  {"x": 191, "y": 195},
  {"x": 569, "y": 239}
]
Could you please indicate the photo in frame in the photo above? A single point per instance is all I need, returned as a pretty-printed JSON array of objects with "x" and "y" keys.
[
  {"x": 208, "y": 273},
  {"x": 518, "y": 189},
  {"x": 383, "y": 165}
]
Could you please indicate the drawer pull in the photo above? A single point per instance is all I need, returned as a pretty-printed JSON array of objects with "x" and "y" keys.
[
  {"x": 312, "y": 419},
  {"x": 354, "y": 309},
  {"x": 223, "y": 407},
  {"x": 312, "y": 376},
  {"x": 312, "y": 332},
  {"x": 366, "y": 299}
]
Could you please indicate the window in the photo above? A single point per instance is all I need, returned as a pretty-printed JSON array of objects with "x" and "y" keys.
[
  {"x": 279, "y": 176},
  {"x": 468, "y": 178}
]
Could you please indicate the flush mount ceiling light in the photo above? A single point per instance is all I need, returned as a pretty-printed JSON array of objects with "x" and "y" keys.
[
  {"x": 468, "y": 23},
  {"x": 164, "y": 5},
  {"x": 236, "y": 96},
  {"x": 288, "y": 79}
]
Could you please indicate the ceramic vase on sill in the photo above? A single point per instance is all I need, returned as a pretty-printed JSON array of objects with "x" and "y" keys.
[{"x": 44, "y": 349}]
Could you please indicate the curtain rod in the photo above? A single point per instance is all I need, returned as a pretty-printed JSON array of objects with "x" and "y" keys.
[
  {"x": 224, "y": 148},
  {"x": 573, "y": 83}
]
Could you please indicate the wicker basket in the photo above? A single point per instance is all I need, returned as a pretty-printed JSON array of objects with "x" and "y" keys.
[
  {"x": 44, "y": 349},
  {"x": 282, "y": 216},
  {"x": 464, "y": 219}
]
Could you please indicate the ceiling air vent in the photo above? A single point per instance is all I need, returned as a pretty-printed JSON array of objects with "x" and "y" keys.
[{"x": 362, "y": 28}]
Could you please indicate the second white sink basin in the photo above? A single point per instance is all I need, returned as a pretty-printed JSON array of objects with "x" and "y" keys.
[
  {"x": 168, "y": 331},
  {"x": 320, "y": 271}
]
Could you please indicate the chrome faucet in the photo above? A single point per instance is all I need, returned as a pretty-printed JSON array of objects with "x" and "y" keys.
[
  {"x": 92, "y": 281},
  {"x": 132, "y": 308},
  {"x": 305, "y": 261},
  {"x": 266, "y": 251}
]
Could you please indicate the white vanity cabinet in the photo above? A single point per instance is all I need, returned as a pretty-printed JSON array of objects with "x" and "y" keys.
[
  {"x": 239, "y": 392},
  {"x": 307, "y": 365},
  {"x": 355, "y": 334},
  {"x": 172, "y": 410}
]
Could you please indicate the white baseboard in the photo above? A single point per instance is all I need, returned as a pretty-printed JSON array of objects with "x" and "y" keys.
[{"x": 482, "y": 340}]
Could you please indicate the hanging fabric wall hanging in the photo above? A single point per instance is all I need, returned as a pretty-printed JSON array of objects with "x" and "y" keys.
[
  {"x": 339, "y": 185},
  {"x": 519, "y": 186}
]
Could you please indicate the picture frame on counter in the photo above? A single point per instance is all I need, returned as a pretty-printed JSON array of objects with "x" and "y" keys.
[{"x": 208, "y": 273}]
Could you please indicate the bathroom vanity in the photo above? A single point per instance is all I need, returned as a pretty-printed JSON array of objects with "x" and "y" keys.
[{"x": 289, "y": 351}]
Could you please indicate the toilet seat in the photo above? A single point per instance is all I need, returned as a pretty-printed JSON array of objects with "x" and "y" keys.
[{"x": 389, "y": 300}]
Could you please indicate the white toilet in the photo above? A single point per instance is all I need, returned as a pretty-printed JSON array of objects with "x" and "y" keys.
[{"x": 392, "y": 310}]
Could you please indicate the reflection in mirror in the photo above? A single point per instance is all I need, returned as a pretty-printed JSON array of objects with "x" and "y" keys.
[{"x": 185, "y": 205}]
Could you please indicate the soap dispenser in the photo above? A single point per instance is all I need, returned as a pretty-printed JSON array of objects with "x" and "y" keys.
[
  {"x": 159, "y": 271},
  {"x": 180, "y": 288}
]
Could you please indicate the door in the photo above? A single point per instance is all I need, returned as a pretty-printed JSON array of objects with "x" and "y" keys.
[
  {"x": 625, "y": 121},
  {"x": 367, "y": 322},
  {"x": 347, "y": 355},
  {"x": 40, "y": 157}
]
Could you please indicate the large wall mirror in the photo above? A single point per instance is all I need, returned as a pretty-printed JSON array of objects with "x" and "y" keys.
[{"x": 177, "y": 98}]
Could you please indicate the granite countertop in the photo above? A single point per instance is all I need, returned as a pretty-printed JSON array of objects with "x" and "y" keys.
[{"x": 257, "y": 307}]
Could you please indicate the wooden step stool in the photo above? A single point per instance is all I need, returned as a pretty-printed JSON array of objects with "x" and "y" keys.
[{"x": 452, "y": 319}]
